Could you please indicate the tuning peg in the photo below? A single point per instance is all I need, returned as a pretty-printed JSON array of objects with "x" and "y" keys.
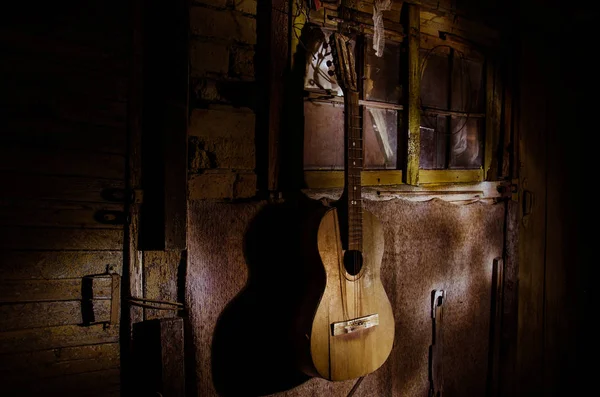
[
  {"x": 329, "y": 63},
  {"x": 330, "y": 72}
]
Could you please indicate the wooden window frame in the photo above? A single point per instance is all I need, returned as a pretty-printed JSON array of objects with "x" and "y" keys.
[{"x": 410, "y": 173}]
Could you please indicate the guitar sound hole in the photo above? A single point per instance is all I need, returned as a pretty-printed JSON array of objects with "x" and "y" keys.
[{"x": 353, "y": 262}]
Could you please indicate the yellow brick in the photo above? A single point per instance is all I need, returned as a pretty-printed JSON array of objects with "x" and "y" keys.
[
  {"x": 247, "y": 6},
  {"x": 215, "y": 3},
  {"x": 208, "y": 57},
  {"x": 243, "y": 62},
  {"x": 224, "y": 24},
  {"x": 214, "y": 185},
  {"x": 222, "y": 122},
  {"x": 233, "y": 152},
  {"x": 245, "y": 186}
]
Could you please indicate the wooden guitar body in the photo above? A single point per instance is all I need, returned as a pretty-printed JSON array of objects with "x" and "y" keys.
[{"x": 341, "y": 346}]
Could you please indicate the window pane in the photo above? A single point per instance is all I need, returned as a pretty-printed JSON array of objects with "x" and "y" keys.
[
  {"x": 434, "y": 80},
  {"x": 380, "y": 134},
  {"x": 382, "y": 82},
  {"x": 323, "y": 136},
  {"x": 466, "y": 143},
  {"x": 433, "y": 142},
  {"x": 467, "y": 85}
]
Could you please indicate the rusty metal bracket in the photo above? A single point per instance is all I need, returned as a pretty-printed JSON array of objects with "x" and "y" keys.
[
  {"x": 436, "y": 380},
  {"x": 89, "y": 295},
  {"x": 509, "y": 189}
]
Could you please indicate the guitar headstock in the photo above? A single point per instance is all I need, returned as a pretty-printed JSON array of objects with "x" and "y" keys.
[{"x": 343, "y": 61}]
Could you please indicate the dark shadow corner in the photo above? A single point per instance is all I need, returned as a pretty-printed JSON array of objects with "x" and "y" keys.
[{"x": 253, "y": 350}]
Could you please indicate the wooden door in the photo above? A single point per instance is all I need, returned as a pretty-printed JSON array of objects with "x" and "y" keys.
[{"x": 64, "y": 79}]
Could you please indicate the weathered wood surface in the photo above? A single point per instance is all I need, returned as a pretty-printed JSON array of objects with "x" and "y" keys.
[
  {"x": 49, "y": 314},
  {"x": 256, "y": 274},
  {"x": 494, "y": 91},
  {"x": 55, "y": 337},
  {"x": 532, "y": 233},
  {"x": 23, "y": 265},
  {"x": 59, "y": 214},
  {"x": 12, "y": 291},
  {"x": 50, "y": 133},
  {"x": 161, "y": 271},
  {"x": 86, "y": 189},
  {"x": 62, "y": 361},
  {"x": 413, "y": 147},
  {"x": 35, "y": 238},
  {"x": 72, "y": 163},
  {"x": 62, "y": 150},
  {"x": 159, "y": 357},
  {"x": 105, "y": 382}
]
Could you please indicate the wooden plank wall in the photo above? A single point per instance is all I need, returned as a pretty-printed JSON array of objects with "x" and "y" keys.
[{"x": 64, "y": 80}]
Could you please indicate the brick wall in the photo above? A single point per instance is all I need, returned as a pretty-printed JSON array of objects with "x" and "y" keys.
[{"x": 222, "y": 119}]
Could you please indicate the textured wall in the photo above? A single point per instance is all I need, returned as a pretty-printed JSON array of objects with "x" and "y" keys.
[
  {"x": 223, "y": 99},
  {"x": 243, "y": 286}
]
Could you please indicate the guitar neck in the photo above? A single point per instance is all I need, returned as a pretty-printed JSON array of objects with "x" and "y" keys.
[{"x": 353, "y": 168}]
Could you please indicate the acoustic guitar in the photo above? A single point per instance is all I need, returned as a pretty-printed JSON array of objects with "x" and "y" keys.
[{"x": 352, "y": 330}]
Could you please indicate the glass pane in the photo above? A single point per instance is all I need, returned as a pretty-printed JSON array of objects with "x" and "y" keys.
[
  {"x": 382, "y": 74},
  {"x": 323, "y": 136},
  {"x": 319, "y": 62},
  {"x": 434, "y": 79},
  {"x": 380, "y": 134},
  {"x": 466, "y": 143},
  {"x": 467, "y": 85},
  {"x": 433, "y": 142}
]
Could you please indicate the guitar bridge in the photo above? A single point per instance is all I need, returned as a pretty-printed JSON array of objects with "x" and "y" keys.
[{"x": 354, "y": 325}]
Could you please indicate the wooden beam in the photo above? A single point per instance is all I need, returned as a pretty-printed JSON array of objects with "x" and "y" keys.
[
  {"x": 132, "y": 264},
  {"x": 160, "y": 280},
  {"x": 278, "y": 63},
  {"x": 158, "y": 351},
  {"x": 413, "y": 151},
  {"x": 450, "y": 176},
  {"x": 493, "y": 120},
  {"x": 175, "y": 134}
]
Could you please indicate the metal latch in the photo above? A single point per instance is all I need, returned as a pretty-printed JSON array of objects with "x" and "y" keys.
[
  {"x": 436, "y": 380},
  {"x": 98, "y": 287},
  {"x": 509, "y": 189}
]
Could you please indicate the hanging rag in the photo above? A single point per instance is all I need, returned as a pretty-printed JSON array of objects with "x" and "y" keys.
[{"x": 378, "y": 38}]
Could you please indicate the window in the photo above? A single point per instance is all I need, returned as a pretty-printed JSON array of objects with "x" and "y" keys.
[
  {"x": 453, "y": 101},
  {"x": 452, "y": 109},
  {"x": 380, "y": 92}
]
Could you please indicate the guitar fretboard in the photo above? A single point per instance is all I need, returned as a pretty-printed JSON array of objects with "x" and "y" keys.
[{"x": 353, "y": 169}]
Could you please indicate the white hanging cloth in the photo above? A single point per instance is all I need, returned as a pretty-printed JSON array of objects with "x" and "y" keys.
[{"x": 378, "y": 38}]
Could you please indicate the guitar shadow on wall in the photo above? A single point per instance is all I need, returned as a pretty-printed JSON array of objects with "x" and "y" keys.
[{"x": 253, "y": 349}]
